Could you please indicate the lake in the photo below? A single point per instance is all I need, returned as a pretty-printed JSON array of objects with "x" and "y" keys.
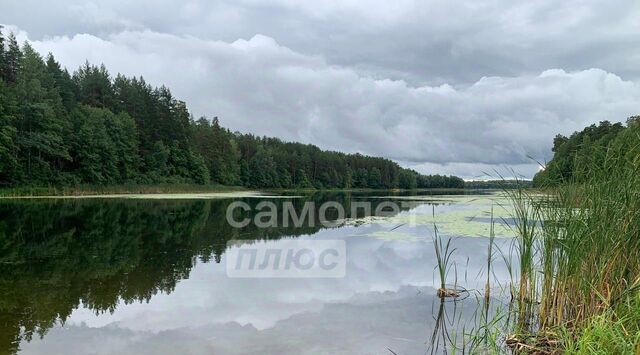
[{"x": 150, "y": 276}]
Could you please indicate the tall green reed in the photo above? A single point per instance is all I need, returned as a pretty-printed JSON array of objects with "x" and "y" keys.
[{"x": 578, "y": 245}]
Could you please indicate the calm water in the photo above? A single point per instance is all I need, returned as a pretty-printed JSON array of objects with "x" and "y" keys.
[{"x": 114, "y": 276}]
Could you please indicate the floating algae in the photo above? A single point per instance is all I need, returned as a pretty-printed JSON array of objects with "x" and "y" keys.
[{"x": 467, "y": 216}]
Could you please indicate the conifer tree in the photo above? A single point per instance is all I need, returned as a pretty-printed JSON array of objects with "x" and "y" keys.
[
  {"x": 2, "y": 56},
  {"x": 56, "y": 128},
  {"x": 12, "y": 60}
]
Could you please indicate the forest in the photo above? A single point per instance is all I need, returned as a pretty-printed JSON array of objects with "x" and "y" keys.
[
  {"x": 62, "y": 129},
  {"x": 577, "y": 157}
]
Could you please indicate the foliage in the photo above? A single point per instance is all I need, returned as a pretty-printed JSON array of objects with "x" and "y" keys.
[
  {"x": 61, "y": 129},
  {"x": 574, "y": 156}
]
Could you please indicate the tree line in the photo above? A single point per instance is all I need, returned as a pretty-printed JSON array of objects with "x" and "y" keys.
[
  {"x": 497, "y": 184},
  {"x": 59, "y": 128},
  {"x": 577, "y": 157}
]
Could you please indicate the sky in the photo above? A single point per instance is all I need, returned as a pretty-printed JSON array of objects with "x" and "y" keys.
[{"x": 475, "y": 89}]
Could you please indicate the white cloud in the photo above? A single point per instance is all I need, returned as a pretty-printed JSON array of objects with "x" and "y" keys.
[
  {"x": 504, "y": 77},
  {"x": 259, "y": 86},
  {"x": 431, "y": 41}
]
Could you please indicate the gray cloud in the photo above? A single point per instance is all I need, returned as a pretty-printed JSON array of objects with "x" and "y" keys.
[
  {"x": 461, "y": 89},
  {"x": 418, "y": 41}
]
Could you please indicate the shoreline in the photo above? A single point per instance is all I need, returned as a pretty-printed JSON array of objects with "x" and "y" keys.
[
  {"x": 175, "y": 191},
  {"x": 91, "y": 191},
  {"x": 148, "y": 196}
]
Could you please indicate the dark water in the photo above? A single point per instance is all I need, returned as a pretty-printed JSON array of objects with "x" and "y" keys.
[{"x": 114, "y": 276}]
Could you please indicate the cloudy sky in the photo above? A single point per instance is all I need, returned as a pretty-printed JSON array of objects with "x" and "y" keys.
[{"x": 443, "y": 88}]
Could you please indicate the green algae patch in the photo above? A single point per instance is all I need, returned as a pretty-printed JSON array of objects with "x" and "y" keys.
[
  {"x": 466, "y": 216},
  {"x": 466, "y": 223}
]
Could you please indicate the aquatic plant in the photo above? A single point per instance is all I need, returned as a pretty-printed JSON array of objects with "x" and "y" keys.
[{"x": 443, "y": 258}]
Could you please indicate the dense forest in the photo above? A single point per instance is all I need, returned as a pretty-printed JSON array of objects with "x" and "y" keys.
[
  {"x": 60, "y": 129},
  {"x": 578, "y": 156}
]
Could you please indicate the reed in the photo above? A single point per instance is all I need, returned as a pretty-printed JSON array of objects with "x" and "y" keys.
[
  {"x": 578, "y": 247},
  {"x": 443, "y": 252}
]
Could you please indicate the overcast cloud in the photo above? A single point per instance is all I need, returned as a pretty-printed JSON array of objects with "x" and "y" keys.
[{"x": 461, "y": 89}]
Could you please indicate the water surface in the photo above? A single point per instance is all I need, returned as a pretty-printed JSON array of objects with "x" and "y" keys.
[{"x": 138, "y": 276}]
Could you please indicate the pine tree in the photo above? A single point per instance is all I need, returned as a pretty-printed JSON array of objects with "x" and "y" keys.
[
  {"x": 12, "y": 60},
  {"x": 2, "y": 55},
  {"x": 94, "y": 86},
  {"x": 61, "y": 129},
  {"x": 63, "y": 83},
  {"x": 41, "y": 127},
  {"x": 8, "y": 147}
]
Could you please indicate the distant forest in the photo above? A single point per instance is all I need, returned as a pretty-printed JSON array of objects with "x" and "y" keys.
[
  {"x": 60, "y": 129},
  {"x": 498, "y": 184},
  {"x": 577, "y": 157}
]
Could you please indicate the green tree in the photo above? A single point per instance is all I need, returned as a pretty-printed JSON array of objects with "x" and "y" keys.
[
  {"x": 576, "y": 156},
  {"x": 2, "y": 56},
  {"x": 158, "y": 161},
  {"x": 12, "y": 60},
  {"x": 8, "y": 147},
  {"x": 61, "y": 129},
  {"x": 94, "y": 86},
  {"x": 361, "y": 178},
  {"x": 94, "y": 151},
  {"x": 63, "y": 83},
  {"x": 121, "y": 129},
  {"x": 407, "y": 179},
  {"x": 374, "y": 178},
  {"x": 41, "y": 124}
]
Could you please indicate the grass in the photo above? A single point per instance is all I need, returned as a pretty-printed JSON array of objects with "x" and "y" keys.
[{"x": 613, "y": 332}]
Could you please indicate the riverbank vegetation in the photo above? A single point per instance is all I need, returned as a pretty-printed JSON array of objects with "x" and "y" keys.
[
  {"x": 576, "y": 158},
  {"x": 579, "y": 285},
  {"x": 89, "y": 128}
]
